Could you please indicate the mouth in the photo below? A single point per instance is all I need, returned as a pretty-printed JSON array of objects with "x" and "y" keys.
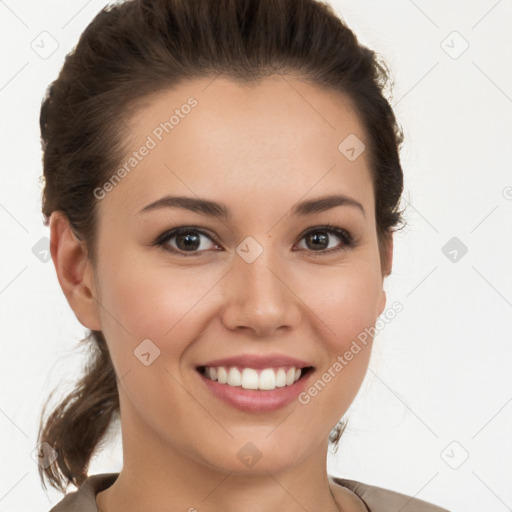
[
  {"x": 254, "y": 390},
  {"x": 255, "y": 379}
]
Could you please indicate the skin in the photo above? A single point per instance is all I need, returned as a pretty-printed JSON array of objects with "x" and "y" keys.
[{"x": 259, "y": 150}]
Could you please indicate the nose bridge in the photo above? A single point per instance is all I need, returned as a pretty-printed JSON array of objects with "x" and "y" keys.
[
  {"x": 258, "y": 296},
  {"x": 259, "y": 279}
]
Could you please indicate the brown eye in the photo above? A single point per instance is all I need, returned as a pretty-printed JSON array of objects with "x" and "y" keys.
[
  {"x": 186, "y": 240},
  {"x": 322, "y": 239}
]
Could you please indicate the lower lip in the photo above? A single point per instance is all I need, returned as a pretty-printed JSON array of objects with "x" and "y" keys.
[{"x": 253, "y": 400}]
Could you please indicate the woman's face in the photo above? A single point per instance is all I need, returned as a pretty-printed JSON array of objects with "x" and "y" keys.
[{"x": 265, "y": 280}]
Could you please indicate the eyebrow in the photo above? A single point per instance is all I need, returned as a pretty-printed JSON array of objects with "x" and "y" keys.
[{"x": 219, "y": 210}]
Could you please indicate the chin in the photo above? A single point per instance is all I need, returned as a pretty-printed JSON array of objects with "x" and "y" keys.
[{"x": 256, "y": 454}]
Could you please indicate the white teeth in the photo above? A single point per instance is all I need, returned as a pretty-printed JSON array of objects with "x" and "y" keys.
[
  {"x": 268, "y": 379},
  {"x": 222, "y": 375},
  {"x": 234, "y": 377},
  {"x": 250, "y": 379},
  {"x": 280, "y": 378}
]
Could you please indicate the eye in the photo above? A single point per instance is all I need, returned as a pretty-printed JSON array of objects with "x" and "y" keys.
[
  {"x": 187, "y": 239},
  {"x": 319, "y": 237}
]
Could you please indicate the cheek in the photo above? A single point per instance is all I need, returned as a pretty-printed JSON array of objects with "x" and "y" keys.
[
  {"x": 161, "y": 305},
  {"x": 345, "y": 299},
  {"x": 141, "y": 303}
]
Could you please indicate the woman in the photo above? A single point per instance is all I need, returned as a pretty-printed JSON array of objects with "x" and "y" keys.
[{"x": 222, "y": 181}]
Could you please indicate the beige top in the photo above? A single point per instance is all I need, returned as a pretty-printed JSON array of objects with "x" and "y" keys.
[{"x": 376, "y": 499}]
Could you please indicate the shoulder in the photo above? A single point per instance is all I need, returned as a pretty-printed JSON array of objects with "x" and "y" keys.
[
  {"x": 378, "y": 499},
  {"x": 84, "y": 498}
]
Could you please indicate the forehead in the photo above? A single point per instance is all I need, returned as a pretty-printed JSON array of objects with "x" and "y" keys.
[{"x": 277, "y": 139}]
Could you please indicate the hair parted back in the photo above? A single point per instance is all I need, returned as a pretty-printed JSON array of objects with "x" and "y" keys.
[{"x": 136, "y": 48}]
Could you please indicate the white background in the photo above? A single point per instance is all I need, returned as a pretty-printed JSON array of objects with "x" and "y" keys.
[{"x": 440, "y": 372}]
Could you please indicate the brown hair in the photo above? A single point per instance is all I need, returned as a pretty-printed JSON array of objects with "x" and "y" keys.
[{"x": 139, "y": 47}]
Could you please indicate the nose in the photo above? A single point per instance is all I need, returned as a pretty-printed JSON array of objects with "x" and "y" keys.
[{"x": 259, "y": 298}]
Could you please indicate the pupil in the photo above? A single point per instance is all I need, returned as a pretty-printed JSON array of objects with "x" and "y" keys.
[
  {"x": 316, "y": 237},
  {"x": 191, "y": 241}
]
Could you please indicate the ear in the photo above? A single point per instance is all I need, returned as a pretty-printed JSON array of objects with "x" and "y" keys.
[
  {"x": 387, "y": 264},
  {"x": 74, "y": 271}
]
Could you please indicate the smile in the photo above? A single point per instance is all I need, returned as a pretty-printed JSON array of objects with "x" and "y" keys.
[{"x": 255, "y": 390}]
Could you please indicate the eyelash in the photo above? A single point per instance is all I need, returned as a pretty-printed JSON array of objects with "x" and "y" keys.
[{"x": 342, "y": 234}]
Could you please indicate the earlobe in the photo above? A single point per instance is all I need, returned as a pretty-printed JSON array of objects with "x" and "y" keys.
[
  {"x": 73, "y": 271},
  {"x": 389, "y": 255},
  {"x": 386, "y": 270}
]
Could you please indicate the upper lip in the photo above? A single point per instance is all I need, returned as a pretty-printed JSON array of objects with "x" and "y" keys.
[{"x": 257, "y": 361}]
